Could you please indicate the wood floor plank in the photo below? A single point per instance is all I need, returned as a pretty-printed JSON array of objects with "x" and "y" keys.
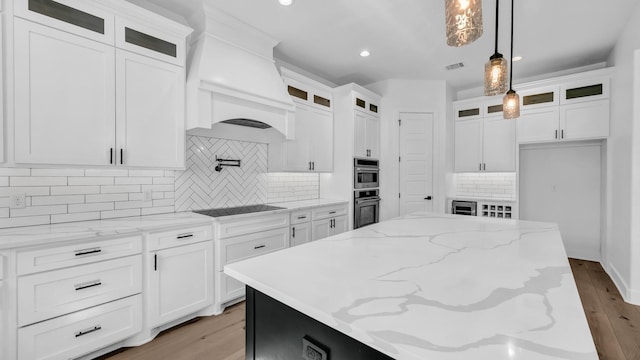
[{"x": 624, "y": 317}]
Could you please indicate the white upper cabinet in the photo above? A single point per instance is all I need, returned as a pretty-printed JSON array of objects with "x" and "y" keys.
[
  {"x": 484, "y": 141},
  {"x": 312, "y": 148},
  {"x": 366, "y": 128},
  {"x": 94, "y": 87},
  {"x": 64, "y": 97},
  {"x": 581, "y": 112},
  {"x": 150, "y": 97}
]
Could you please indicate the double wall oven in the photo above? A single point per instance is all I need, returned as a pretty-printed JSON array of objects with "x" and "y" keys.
[{"x": 366, "y": 199}]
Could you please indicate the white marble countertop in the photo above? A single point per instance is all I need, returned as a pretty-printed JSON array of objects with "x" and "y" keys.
[
  {"x": 433, "y": 286},
  {"x": 50, "y": 234}
]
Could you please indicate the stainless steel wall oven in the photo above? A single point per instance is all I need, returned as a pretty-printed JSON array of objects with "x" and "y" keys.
[
  {"x": 366, "y": 207},
  {"x": 365, "y": 173}
]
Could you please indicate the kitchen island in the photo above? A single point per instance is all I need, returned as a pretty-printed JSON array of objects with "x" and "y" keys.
[{"x": 423, "y": 286}]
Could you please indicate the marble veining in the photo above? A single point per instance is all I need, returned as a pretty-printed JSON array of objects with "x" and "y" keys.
[{"x": 434, "y": 286}]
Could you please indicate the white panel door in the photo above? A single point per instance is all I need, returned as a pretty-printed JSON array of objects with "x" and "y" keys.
[
  {"x": 416, "y": 165},
  {"x": 468, "y": 145},
  {"x": 538, "y": 125},
  {"x": 150, "y": 122},
  {"x": 586, "y": 120},
  {"x": 181, "y": 281},
  {"x": 64, "y": 97},
  {"x": 499, "y": 145},
  {"x": 373, "y": 136},
  {"x": 300, "y": 233},
  {"x": 562, "y": 184},
  {"x": 359, "y": 134}
]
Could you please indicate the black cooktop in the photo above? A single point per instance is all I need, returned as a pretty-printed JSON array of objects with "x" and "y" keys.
[{"x": 237, "y": 210}]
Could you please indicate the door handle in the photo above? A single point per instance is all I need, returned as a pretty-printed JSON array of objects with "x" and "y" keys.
[{"x": 428, "y": 197}]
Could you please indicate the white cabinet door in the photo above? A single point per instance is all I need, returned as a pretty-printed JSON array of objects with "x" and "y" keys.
[
  {"x": 320, "y": 229},
  {"x": 538, "y": 125},
  {"x": 339, "y": 225},
  {"x": 468, "y": 145},
  {"x": 64, "y": 97},
  {"x": 300, "y": 233},
  {"x": 359, "y": 134},
  {"x": 181, "y": 281},
  {"x": 150, "y": 112},
  {"x": 373, "y": 130},
  {"x": 499, "y": 145},
  {"x": 586, "y": 120},
  {"x": 320, "y": 139}
]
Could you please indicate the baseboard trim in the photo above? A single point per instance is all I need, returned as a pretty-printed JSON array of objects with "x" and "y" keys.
[{"x": 629, "y": 295}]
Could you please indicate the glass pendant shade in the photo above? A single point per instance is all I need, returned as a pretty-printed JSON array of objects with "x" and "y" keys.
[
  {"x": 464, "y": 21},
  {"x": 495, "y": 75},
  {"x": 511, "y": 105}
]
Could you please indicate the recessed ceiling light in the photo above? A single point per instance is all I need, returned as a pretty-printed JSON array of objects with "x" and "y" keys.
[
  {"x": 517, "y": 58},
  {"x": 365, "y": 53},
  {"x": 286, "y": 2}
]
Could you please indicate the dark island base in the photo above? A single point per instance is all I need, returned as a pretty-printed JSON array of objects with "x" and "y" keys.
[{"x": 276, "y": 331}]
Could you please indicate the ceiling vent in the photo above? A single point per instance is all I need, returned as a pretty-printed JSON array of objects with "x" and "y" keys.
[{"x": 455, "y": 66}]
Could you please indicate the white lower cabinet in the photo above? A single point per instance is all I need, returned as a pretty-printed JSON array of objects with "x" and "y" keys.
[
  {"x": 328, "y": 221},
  {"x": 81, "y": 332},
  {"x": 232, "y": 249},
  {"x": 179, "y": 274},
  {"x": 301, "y": 233},
  {"x": 171, "y": 295}
]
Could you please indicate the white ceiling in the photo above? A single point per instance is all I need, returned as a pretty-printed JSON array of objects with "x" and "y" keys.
[{"x": 406, "y": 38}]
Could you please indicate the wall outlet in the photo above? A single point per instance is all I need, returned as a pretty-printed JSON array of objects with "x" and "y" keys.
[
  {"x": 17, "y": 201},
  {"x": 147, "y": 195}
]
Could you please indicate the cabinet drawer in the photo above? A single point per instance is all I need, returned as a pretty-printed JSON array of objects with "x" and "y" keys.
[
  {"x": 244, "y": 247},
  {"x": 47, "y": 258},
  {"x": 300, "y": 216},
  {"x": 73, "y": 16},
  {"x": 186, "y": 236},
  {"x": 251, "y": 224},
  {"x": 82, "y": 332},
  {"x": 329, "y": 211},
  {"x": 54, "y": 293},
  {"x": 228, "y": 288}
]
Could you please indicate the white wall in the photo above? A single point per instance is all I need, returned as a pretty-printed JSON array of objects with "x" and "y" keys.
[
  {"x": 623, "y": 159},
  {"x": 410, "y": 96}
]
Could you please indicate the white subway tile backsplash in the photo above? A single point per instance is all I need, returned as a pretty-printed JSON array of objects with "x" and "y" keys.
[
  {"x": 146, "y": 173},
  {"x": 4, "y": 181},
  {"x": 106, "y": 197},
  {"x": 14, "y": 172},
  {"x": 4, "y": 212},
  {"x": 28, "y": 190},
  {"x": 154, "y": 188},
  {"x": 74, "y": 190},
  {"x": 82, "y": 216},
  {"x": 25, "y": 221},
  {"x": 158, "y": 210},
  {"x": 75, "y": 208},
  {"x": 90, "y": 180},
  {"x": 119, "y": 213},
  {"x": 57, "y": 172},
  {"x": 119, "y": 189},
  {"x": 38, "y": 210},
  {"x": 132, "y": 204},
  {"x": 56, "y": 200},
  {"x": 37, "y": 181},
  {"x": 106, "y": 172},
  {"x": 485, "y": 186}
]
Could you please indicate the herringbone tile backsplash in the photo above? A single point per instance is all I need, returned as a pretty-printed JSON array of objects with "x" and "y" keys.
[{"x": 201, "y": 187}]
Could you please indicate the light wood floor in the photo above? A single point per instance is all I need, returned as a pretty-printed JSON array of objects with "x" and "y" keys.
[{"x": 614, "y": 324}]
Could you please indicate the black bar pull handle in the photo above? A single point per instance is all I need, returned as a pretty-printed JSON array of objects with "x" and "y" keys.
[
  {"x": 87, "y": 285},
  {"x": 88, "y": 331},
  {"x": 121, "y": 156},
  {"x": 184, "y": 236},
  {"x": 88, "y": 251},
  {"x": 556, "y": 134},
  {"x": 293, "y": 229},
  {"x": 155, "y": 262},
  {"x": 110, "y": 155},
  {"x": 259, "y": 247},
  {"x": 562, "y": 134}
]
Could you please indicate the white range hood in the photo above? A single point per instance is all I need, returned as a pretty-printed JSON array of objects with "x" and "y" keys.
[{"x": 233, "y": 81}]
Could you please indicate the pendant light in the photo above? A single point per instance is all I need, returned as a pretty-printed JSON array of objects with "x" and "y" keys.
[
  {"x": 511, "y": 101},
  {"x": 463, "y": 20},
  {"x": 495, "y": 70}
]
